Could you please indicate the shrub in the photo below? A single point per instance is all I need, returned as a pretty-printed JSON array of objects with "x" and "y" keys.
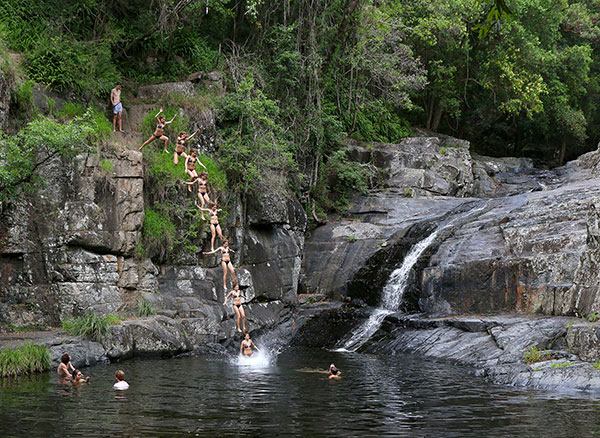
[
  {"x": 22, "y": 101},
  {"x": 26, "y": 359},
  {"x": 72, "y": 65},
  {"x": 91, "y": 325},
  {"x": 70, "y": 110},
  {"x": 106, "y": 165},
  {"x": 597, "y": 364},
  {"x": 144, "y": 308},
  {"x": 534, "y": 355},
  {"x": 340, "y": 178},
  {"x": 158, "y": 233},
  {"x": 40, "y": 141}
]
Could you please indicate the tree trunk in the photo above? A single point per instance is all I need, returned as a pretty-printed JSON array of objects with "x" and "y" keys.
[
  {"x": 563, "y": 150},
  {"x": 436, "y": 118}
]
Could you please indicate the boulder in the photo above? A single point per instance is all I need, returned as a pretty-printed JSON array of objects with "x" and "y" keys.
[
  {"x": 159, "y": 91},
  {"x": 154, "y": 336}
]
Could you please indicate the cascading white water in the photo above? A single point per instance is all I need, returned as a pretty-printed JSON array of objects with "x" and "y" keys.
[{"x": 393, "y": 291}]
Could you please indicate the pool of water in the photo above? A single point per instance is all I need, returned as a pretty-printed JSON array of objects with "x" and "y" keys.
[{"x": 404, "y": 396}]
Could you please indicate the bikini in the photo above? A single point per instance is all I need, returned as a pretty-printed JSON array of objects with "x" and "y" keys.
[
  {"x": 202, "y": 186},
  {"x": 237, "y": 295},
  {"x": 180, "y": 148},
  {"x": 192, "y": 163},
  {"x": 159, "y": 126},
  {"x": 225, "y": 255},
  {"x": 215, "y": 215}
]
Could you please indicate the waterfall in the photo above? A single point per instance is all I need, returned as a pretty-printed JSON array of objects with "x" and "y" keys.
[{"x": 393, "y": 291}]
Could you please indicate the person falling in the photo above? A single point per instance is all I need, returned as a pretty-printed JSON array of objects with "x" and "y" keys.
[{"x": 159, "y": 132}]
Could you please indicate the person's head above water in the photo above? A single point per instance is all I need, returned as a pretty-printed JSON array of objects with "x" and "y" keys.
[
  {"x": 65, "y": 358},
  {"x": 120, "y": 375},
  {"x": 333, "y": 369}
]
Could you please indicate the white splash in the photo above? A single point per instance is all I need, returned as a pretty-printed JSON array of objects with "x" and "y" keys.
[{"x": 260, "y": 359}]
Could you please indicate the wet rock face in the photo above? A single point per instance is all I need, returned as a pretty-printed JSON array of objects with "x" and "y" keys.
[
  {"x": 423, "y": 166},
  {"x": 70, "y": 247}
]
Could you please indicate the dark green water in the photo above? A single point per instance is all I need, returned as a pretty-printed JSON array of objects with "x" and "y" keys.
[{"x": 378, "y": 396}]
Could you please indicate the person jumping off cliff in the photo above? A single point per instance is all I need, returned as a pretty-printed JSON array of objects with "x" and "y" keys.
[
  {"x": 159, "y": 132},
  {"x": 225, "y": 259},
  {"x": 182, "y": 139}
]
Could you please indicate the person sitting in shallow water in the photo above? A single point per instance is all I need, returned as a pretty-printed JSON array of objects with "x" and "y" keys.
[
  {"x": 120, "y": 378},
  {"x": 334, "y": 372},
  {"x": 64, "y": 366},
  {"x": 247, "y": 345}
]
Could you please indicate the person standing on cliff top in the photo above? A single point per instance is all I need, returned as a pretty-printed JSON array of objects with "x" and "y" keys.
[{"x": 115, "y": 100}]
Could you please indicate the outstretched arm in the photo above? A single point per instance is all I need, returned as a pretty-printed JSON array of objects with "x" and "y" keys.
[
  {"x": 214, "y": 250},
  {"x": 171, "y": 121},
  {"x": 158, "y": 114},
  {"x": 205, "y": 209},
  {"x": 192, "y": 136},
  {"x": 227, "y": 297},
  {"x": 200, "y": 163},
  {"x": 255, "y": 347},
  {"x": 189, "y": 183}
]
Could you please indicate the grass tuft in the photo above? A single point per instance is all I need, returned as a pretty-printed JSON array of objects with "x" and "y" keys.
[
  {"x": 91, "y": 325},
  {"x": 534, "y": 355},
  {"x": 26, "y": 359},
  {"x": 144, "y": 309}
]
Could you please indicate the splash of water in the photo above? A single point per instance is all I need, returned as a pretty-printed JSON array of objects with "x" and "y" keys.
[
  {"x": 393, "y": 291},
  {"x": 260, "y": 359}
]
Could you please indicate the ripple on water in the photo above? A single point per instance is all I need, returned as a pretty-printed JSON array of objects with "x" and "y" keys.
[{"x": 377, "y": 396}]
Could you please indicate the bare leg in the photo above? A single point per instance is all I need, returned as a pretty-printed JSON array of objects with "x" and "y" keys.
[
  {"x": 202, "y": 201},
  {"x": 120, "y": 123},
  {"x": 191, "y": 175},
  {"x": 243, "y": 313},
  {"x": 212, "y": 240},
  {"x": 206, "y": 198},
  {"x": 150, "y": 140},
  {"x": 166, "y": 140},
  {"x": 232, "y": 270},
  {"x": 220, "y": 232},
  {"x": 224, "y": 266},
  {"x": 114, "y": 123},
  {"x": 175, "y": 158},
  {"x": 237, "y": 313}
]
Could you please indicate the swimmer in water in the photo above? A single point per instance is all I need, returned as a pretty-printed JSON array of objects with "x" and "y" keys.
[
  {"x": 64, "y": 366},
  {"x": 334, "y": 372},
  {"x": 247, "y": 345},
  {"x": 78, "y": 378},
  {"x": 237, "y": 305}
]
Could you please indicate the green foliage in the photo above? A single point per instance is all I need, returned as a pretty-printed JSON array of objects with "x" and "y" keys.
[
  {"x": 256, "y": 153},
  {"x": 534, "y": 355},
  {"x": 597, "y": 364},
  {"x": 70, "y": 110},
  {"x": 40, "y": 141},
  {"x": 22, "y": 101},
  {"x": 106, "y": 165},
  {"x": 26, "y": 359},
  {"x": 339, "y": 179},
  {"x": 158, "y": 233},
  {"x": 592, "y": 317},
  {"x": 562, "y": 364},
  {"x": 144, "y": 309},
  {"x": 91, "y": 325}
]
